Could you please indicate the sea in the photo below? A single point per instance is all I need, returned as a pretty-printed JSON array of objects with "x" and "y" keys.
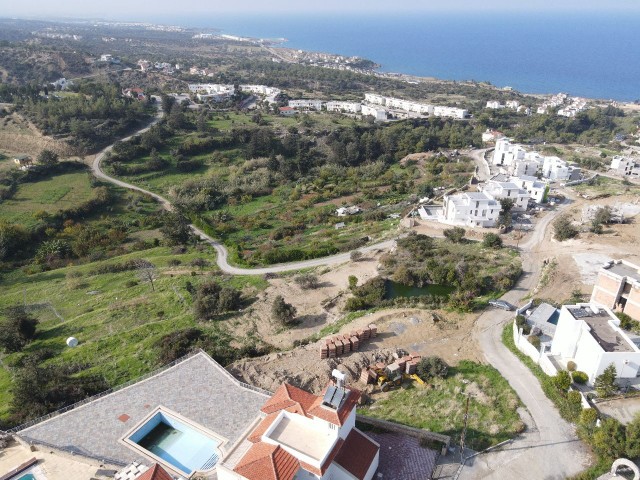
[{"x": 590, "y": 54}]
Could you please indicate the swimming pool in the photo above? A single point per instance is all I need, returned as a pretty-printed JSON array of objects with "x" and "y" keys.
[
  {"x": 28, "y": 476},
  {"x": 184, "y": 446}
]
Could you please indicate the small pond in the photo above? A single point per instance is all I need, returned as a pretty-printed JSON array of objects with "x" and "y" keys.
[{"x": 395, "y": 290}]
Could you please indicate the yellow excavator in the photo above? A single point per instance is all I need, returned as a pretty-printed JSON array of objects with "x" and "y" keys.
[{"x": 391, "y": 377}]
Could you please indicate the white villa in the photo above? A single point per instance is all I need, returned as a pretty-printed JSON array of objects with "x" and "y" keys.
[
  {"x": 302, "y": 436},
  {"x": 212, "y": 91},
  {"x": 536, "y": 189},
  {"x": 515, "y": 160},
  {"x": 590, "y": 335},
  {"x": 349, "y": 107},
  {"x": 375, "y": 112},
  {"x": 500, "y": 190},
  {"x": 554, "y": 168},
  {"x": 507, "y": 153},
  {"x": 306, "y": 104},
  {"x": 474, "y": 209}
]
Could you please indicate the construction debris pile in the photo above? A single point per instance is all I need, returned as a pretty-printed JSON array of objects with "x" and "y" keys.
[
  {"x": 403, "y": 365},
  {"x": 349, "y": 342}
]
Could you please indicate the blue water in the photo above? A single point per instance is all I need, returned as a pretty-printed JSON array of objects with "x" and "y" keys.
[
  {"x": 180, "y": 445},
  {"x": 28, "y": 476},
  {"x": 592, "y": 54}
]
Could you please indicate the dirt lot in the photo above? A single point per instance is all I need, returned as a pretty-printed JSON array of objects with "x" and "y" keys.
[
  {"x": 424, "y": 332},
  {"x": 19, "y": 136},
  {"x": 578, "y": 260}
]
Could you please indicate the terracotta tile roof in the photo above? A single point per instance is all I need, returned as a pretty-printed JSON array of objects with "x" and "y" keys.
[
  {"x": 155, "y": 473},
  {"x": 293, "y": 399},
  {"x": 264, "y": 461},
  {"x": 357, "y": 453},
  {"x": 336, "y": 417},
  {"x": 256, "y": 435}
]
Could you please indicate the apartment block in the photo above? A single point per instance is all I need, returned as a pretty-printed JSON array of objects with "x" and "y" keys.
[{"x": 618, "y": 288}]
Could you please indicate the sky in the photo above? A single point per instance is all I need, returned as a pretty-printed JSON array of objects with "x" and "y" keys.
[{"x": 126, "y": 9}]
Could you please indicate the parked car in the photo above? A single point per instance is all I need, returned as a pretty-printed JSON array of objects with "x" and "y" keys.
[{"x": 501, "y": 304}]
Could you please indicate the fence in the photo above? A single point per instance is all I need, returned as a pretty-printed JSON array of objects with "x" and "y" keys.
[
  {"x": 542, "y": 359},
  {"x": 71, "y": 452},
  {"x": 31, "y": 423}
]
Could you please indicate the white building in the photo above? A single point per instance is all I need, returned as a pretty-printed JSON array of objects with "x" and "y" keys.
[
  {"x": 513, "y": 104},
  {"x": 375, "y": 99},
  {"x": 261, "y": 90},
  {"x": 301, "y": 436},
  {"x": 494, "y": 105},
  {"x": 530, "y": 166},
  {"x": 306, "y": 104},
  {"x": 287, "y": 111},
  {"x": 590, "y": 335},
  {"x": 344, "y": 211},
  {"x": 536, "y": 189},
  {"x": 507, "y": 153},
  {"x": 375, "y": 112},
  {"x": 451, "y": 112},
  {"x": 622, "y": 165},
  {"x": 212, "y": 91},
  {"x": 474, "y": 209},
  {"x": 348, "y": 107},
  {"x": 556, "y": 169},
  {"x": 502, "y": 190}
]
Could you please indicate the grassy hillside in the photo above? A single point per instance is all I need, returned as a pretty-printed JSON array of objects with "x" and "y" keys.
[
  {"x": 59, "y": 192},
  {"x": 117, "y": 318}
]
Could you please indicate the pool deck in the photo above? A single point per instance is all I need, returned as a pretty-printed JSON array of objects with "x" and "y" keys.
[{"x": 192, "y": 388}]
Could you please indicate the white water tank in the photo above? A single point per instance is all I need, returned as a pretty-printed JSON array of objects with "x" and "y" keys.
[{"x": 72, "y": 342}]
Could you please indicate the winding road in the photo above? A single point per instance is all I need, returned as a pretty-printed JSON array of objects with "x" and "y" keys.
[
  {"x": 222, "y": 254},
  {"x": 549, "y": 449}
]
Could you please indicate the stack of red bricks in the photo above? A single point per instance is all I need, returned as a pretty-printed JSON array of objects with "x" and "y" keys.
[{"x": 349, "y": 342}]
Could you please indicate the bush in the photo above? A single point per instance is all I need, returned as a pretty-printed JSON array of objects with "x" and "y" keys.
[
  {"x": 131, "y": 283},
  {"x": 521, "y": 322},
  {"x": 18, "y": 329},
  {"x": 455, "y": 234},
  {"x": 177, "y": 344},
  {"x": 431, "y": 367},
  {"x": 605, "y": 383},
  {"x": 563, "y": 229},
  {"x": 213, "y": 299},
  {"x": 307, "y": 281},
  {"x": 174, "y": 262},
  {"x": 562, "y": 380},
  {"x": 571, "y": 366},
  {"x": 534, "y": 340},
  {"x": 282, "y": 311},
  {"x": 579, "y": 377},
  {"x": 491, "y": 240},
  {"x": 355, "y": 255}
]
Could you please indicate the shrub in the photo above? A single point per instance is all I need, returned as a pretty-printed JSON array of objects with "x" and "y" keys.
[
  {"x": 213, "y": 299},
  {"x": 177, "y": 344},
  {"x": 307, "y": 281},
  {"x": 455, "y": 234},
  {"x": 562, "y": 380},
  {"x": 131, "y": 283},
  {"x": 18, "y": 329},
  {"x": 355, "y": 255},
  {"x": 571, "y": 366},
  {"x": 430, "y": 367},
  {"x": 563, "y": 229},
  {"x": 521, "y": 322},
  {"x": 579, "y": 377},
  {"x": 491, "y": 240},
  {"x": 534, "y": 340},
  {"x": 282, "y": 311},
  {"x": 605, "y": 383},
  {"x": 174, "y": 262}
]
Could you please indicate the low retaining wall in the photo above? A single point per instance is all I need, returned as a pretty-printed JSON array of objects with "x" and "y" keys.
[{"x": 406, "y": 430}]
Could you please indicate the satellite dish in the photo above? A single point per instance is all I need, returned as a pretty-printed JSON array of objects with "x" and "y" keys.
[{"x": 72, "y": 342}]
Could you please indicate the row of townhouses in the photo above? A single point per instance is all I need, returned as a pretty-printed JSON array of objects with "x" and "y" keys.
[
  {"x": 219, "y": 93},
  {"x": 514, "y": 159},
  {"x": 415, "y": 107}
]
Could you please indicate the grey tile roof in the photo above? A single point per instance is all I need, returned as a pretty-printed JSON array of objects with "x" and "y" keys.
[{"x": 197, "y": 388}]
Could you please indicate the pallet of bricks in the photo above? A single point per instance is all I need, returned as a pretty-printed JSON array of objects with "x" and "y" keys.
[{"x": 349, "y": 342}]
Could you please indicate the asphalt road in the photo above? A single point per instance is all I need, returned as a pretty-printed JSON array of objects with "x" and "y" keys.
[{"x": 549, "y": 449}]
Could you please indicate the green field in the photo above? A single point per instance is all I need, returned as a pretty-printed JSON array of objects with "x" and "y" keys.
[
  {"x": 605, "y": 186},
  {"x": 117, "y": 325},
  {"x": 440, "y": 406},
  {"x": 55, "y": 193}
]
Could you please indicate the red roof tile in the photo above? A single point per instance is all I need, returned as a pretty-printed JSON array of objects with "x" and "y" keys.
[
  {"x": 337, "y": 417},
  {"x": 357, "y": 454},
  {"x": 292, "y": 399},
  {"x": 256, "y": 435},
  {"x": 264, "y": 461},
  {"x": 155, "y": 473}
]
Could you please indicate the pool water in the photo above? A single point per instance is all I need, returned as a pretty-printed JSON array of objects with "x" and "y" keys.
[
  {"x": 185, "y": 447},
  {"x": 28, "y": 476}
]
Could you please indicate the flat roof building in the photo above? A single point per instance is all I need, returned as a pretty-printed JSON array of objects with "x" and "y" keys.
[{"x": 618, "y": 288}]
